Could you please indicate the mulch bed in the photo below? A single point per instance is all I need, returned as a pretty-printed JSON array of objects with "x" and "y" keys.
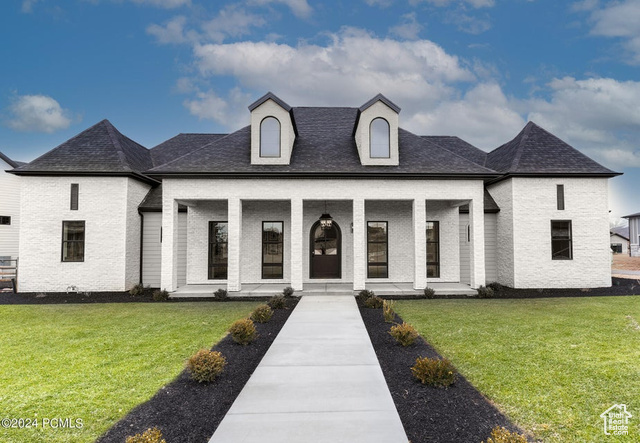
[
  {"x": 459, "y": 413},
  {"x": 188, "y": 411}
]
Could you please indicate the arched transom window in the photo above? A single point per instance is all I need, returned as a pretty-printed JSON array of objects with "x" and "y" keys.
[
  {"x": 270, "y": 137},
  {"x": 379, "y": 138}
]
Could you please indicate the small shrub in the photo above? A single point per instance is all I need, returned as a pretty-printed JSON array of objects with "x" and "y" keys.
[
  {"x": 288, "y": 291},
  {"x": 405, "y": 334},
  {"x": 429, "y": 293},
  {"x": 387, "y": 311},
  {"x": 434, "y": 372},
  {"x": 160, "y": 295},
  {"x": 503, "y": 435},
  {"x": 497, "y": 287},
  {"x": 221, "y": 294},
  {"x": 365, "y": 295},
  {"x": 261, "y": 314},
  {"x": 373, "y": 303},
  {"x": 151, "y": 435},
  {"x": 243, "y": 331},
  {"x": 206, "y": 365},
  {"x": 485, "y": 292},
  {"x": 137, "y": 290},
  {"x": 277, "y": 302}
]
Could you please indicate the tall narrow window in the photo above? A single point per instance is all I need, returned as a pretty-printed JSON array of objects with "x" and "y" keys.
[
  {"x": 272, "y": 249},
  {"x": 74, "y": 196},
  {"x": 433, "y": 249},
  {"x": 72, "y": 241},
  {"x": 218, "y": 252},
  {"x": 561, "y": 240},
  {"x": 270, "y": 137},
  {"x": 560, "y": 197},
  {"x": 5, "y": 220},
  {"x": 379, "y": 138},
  {"x": 377, "y": 250}
]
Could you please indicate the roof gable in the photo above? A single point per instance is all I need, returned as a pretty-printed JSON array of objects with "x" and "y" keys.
[
  {"x": 384, "y": 100},
  {"x": 269, "y": 96}
]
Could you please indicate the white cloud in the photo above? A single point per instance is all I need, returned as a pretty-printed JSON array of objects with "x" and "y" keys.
[
  {"x": 473, "y": 3},
  {"x": 172, "y": 32},
  {"x": 229, "y": 111},
  {"x": 27, "y": 6},
  {"x": 300, "y": 8},
  {"x": 408, "y": 29},
  {"x": 231, "y": 22},
  {"x": 167, "y": 4},
  {"x": 379, "y": 3},
  {"x": 619, "y": 20},
  {"x": 468, "y": 23},
  {"x": 37, "y": 113}
]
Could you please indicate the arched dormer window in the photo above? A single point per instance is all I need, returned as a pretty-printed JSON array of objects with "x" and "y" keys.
[
  {"x": 379, "y": 138},
  {"x": 270, "y": 137}
]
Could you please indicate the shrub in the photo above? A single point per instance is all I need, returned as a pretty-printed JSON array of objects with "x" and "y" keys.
[
  {"x": 261, "y": 314},
  {"x": 288, "y": 291},
  {"x": 221, "y": 294},
  {"x": 151, "y": 435},
  {"x": 429, "y": 293},
  {"x": 503, "y": 435},
  {"x": 277, "y": 302},
  {"x": 243, "y": 331},
  {"x": 365, "y": 295},
  {"x": 373, "y": 302},
  {"x": 387, "y": 311},
  {"x": 404, "y": 334},
  {"x": 484, "y": 292},
  {"x": 160, "y": 295},
  {"x": 497, "y": 287},
  {"x": 137, "y": 290},
  {"x": 434, "y": 372},
  {"x": 206, "y": 365}
]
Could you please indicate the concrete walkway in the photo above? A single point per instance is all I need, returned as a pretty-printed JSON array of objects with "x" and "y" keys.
[
  {"x": 320, "y": 381},
  {"x": 625, "y": 272}
]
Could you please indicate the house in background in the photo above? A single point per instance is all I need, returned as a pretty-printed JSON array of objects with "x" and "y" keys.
[
  {"x": 619, "y": 238},
  {"x": 9, "y": 209},
  {"x": 634, "y": 234},
  {"x": 313, "y": 195}
]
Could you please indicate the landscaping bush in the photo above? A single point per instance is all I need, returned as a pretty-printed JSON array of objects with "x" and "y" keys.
[
  {"x": 434, "y": 372},
  {"x": 288, "y": 292},
  {"x": 243, "y": 331},
  {"x": 151, "y": 435},
  {"x": 206, "y": 365},
  {"x": 387, "y": 311},
  {"x": 404, "y": 334},
  {"x": 160, "y": 295},
  {"x": 365, "y": 295},
  {"x": 261, "y": 314},
  {"x": 429, "y": 293},
  {"x": 485, "y": 292},
  {"x": 221, "y": 294},
  {"x": 277, "y": 302},
  {"x": 503, "y": 435},
  {"x": 497, "y": 287},
  {"x": 373, "y": 302},
  {"x": 137, "y": 290}
]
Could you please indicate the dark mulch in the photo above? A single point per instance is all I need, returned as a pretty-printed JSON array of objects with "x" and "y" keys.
[
  {"x": 187, "y": 411},
  {"x": 458, "y": 413}
]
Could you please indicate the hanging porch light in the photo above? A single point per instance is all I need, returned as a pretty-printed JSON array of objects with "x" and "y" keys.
[{"x": 326, "y": 221}]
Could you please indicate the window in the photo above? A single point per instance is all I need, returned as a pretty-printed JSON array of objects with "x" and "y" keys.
[
  {"x": 433, "y": 249},
  {"x": 379, "y": 138},
  {"x": 5, "y": 220},
  {"x": 560, "y": 197},
  {"x": 72, "y": 241},
  {"x": 272, "y": 249},
  {"x": 218, "y": 251},
  {"x": 377, "y": 250},
  {"x": 74, "y": 196},
  {"x": 561, "y": 246},
  {"x": 616, "y": 247},
  {"x": 270, "y": 137}
]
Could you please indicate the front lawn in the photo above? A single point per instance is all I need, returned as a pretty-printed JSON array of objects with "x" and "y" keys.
[
  {"x": 95, "y": 362},
  {"x": 553, "y": 365}
]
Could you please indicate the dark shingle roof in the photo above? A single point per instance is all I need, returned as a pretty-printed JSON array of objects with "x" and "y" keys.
[
  {"x": 267, "y": 96},
  {"x": 622, "y": 231},
  {"x": 153, "y": 201},
  {"x": 180, "y": 145},
  {"x": 12, "y": 163},
  {"x": 324, "y": 145},
  {"x": 100, "y": 149},
  {"x": 536, "y": 151},
  {"x": 490, "y": 205},
  {"x": 460, "y": 147},
  {"x": 384, "y": 100}
]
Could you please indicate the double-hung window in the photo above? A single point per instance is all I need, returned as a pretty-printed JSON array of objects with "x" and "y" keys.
[
  {"x": 73, "y": 233},
  {"x": 561, "y": 240}
]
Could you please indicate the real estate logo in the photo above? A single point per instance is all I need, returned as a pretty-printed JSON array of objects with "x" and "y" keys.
[{"x": 616, "y": 420}]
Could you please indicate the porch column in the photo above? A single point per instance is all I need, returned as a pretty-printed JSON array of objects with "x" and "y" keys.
[
  {"x": 359, "y": 245},
  {"x": 169, "y": 277},
  {"x": 297, "y": 244},
  {"x": 420, "y": 243},
  {"x": 476, "y": 253},
  {"x": 235, "y": 236}
]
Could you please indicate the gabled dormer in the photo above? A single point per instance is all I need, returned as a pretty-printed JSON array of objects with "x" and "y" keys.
[
  {"x": 376, "y": 132},
  {"x": 272, "y": 131}
]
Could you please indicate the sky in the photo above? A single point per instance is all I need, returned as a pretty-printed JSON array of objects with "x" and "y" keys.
[{"x": 477, "y": 69}]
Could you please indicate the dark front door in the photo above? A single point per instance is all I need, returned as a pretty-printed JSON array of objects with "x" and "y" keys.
[{"x": 325, "y": 251}]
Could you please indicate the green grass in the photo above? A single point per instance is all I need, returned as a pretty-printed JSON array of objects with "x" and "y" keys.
[
  {"x": 552, "y": 365},
  {"x": 96, "y": 362}
]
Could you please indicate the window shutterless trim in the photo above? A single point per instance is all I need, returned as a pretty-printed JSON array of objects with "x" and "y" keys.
[
  {"x": 569, "y": 239},
  {"x": 386, "y": 243},
  {"x": 5, "y": 220},
  {"x": 84, "y": 238},
  {"x": 388, "y": 138},
  {"x": 210, "y": 263},
  {"x": 74, "y": 196},
  {"x": 281, "y": 243},
  {"x": 279, "y": 138}
]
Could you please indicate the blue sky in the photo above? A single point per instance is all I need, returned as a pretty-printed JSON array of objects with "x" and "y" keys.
[{"x": 478, "y": 69}]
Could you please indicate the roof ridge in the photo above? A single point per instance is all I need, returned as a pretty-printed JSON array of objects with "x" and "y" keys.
[
  {"x": 122, "y": 156},
  {"x": 525, "y": 135},
  {"x": 10, "y": 162}
]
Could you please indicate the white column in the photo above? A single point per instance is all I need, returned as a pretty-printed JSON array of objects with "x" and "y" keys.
[
  {"x": 297, "y": 244},
  {"x": 476, "y": 253},
  {"x": 359, "y": 245},
  {"x": 235, "y": 237},
  {"x": 169, "y": 277},
  {"x": 420, "y": 243}
]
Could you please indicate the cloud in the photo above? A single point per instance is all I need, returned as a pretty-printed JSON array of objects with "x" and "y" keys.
[
  {"x": 468, "y": 23},
  {"x": 230, "y": 111},
  {"x": 231, "y": 22},
  {"x": 27, "y": 6},
  {"x": 172, "y": 32},
  {"x": 619, "y": 20},
  {"x": 300, "y": 8},
  {"x": 408, "y": 29},
  {"x": 167, "y": 4},
  {"x": 37, "y": 113},
  {"x": 379, "y": 3},
  {"x": 442, "y": 3}
]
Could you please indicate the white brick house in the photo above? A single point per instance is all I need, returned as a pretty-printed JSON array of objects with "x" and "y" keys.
[{"x": 307, "y": 195}]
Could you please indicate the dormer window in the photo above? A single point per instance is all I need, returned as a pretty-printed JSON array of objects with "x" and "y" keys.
[
  {"x": 380, "y": 142},
  {"x": 270, "y": 137}
]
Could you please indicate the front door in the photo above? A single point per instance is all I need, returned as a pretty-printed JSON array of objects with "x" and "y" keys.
[{"x": 325, "y": 251}]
